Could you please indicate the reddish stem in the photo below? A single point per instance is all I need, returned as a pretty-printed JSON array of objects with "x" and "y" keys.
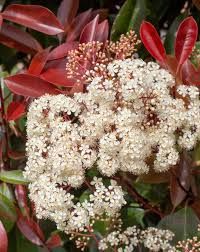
[{"x": 124, "y": 182}]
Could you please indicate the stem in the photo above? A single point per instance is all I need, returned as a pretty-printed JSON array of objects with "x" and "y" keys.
[
  {"x": 93, "y": 236},
  {"x": 89, "y": 186},
  {"x": 137, "y": 197}
]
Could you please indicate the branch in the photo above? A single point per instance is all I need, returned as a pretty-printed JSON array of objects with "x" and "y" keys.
[{"x": 124, "y": 182}]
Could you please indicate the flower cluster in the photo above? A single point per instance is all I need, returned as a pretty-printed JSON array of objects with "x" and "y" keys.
[
  {"x": 89, "y": 60},
  {"x": 53, "y": 202},
  {"x": 151, "y": 238},
  {"x": 133, "y": 120}
]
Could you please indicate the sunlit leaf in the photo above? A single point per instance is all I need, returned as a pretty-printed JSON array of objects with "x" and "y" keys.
[
  {"x": 38, "y": 62},
  {"x": 152, "y": 42},
  {"x": 31, "y": 230},
  {"x": 90, "y": 30},
  {"x": 33, "y": 16},
  {"x": 185, "y": 40},
  {"x": 67, "y": 11},
  {"x": 29, "y": 85},
  {"x": 13, "y": 177},
  {"x": 14, "y": 37},
  {"x": 78, "y": 24}
]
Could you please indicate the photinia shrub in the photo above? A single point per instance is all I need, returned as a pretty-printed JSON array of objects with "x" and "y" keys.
[{"x": 100, "y": 144}]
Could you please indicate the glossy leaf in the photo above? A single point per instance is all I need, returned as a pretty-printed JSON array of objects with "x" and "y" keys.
[
  {"x": 78, "y": 24},
  {"x": 33, "y": 16},
  {"x": 55, "y": 72},
  {"x": 7, "y": 209},
  {"x": 67, "y": 11},
  {"x": 54, "y": 241},
  {"x": 171, "y": 34},
  {"x": 7, "y": 191},
  {"x": 181, "y": 180},
  {"x": 130, "y": 16},
  {"x": 185, "y": 40},
  {"x": 13, "y": 177},
  {"x": 29, "y": 85},
  {"x": 62, "y": 50},
  {"x": 90, "y": 30},
  {"x": 31, "y": 230},
  {"x": 38, "y": 62},
  {"x": 3, "y": 238},
  {"x": 152, "y": 42},
  {"x": 21, "y": 196},
  {"x": 13, "y": 37},
  {"x": 102, "y": 31},
  {"x": 182, "y": 223},
  {"x": 190, "y": 75},
  {"x": 15, "y": 110}
]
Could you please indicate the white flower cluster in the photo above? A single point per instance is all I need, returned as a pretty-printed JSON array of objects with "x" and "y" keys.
[
  {"x": 127, "y": 241},
  {"x": 51, "y": 201},
  {"x": 133, "y": 119}
]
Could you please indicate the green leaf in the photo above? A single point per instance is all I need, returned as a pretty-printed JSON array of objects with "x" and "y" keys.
[
  {"x": 133, "y": 215},
  {"x": 183, "y": 224},
  {"x": 13, "y": 177},
  {"x": 7, "y": 212},
  {"x": 171, "y": 34},
  {"x": 6, "y": 191},
  {"x": 130, "y": 16}
]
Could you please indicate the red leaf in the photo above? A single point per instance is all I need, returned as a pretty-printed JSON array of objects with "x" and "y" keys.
[
  {"x": 185, "y": 40},
  {"x": 1, "y": 20},
  {"x": 190, "y": 75},
  {"x": 181, "y": 180},
  {"x": 13, "y": 37},
  {"x": 21, "y": 196},
  {"x": 33, "y": 16},
  {"x": 38, "y": 62},
  {"x": 89, "y": 31},
  {"x": 29, "y": 85},
  {"x": 16, "y": 155},
  {"x": 31, "y": 230},
  {"x": 102, "y": 31},
  {"x": 152, "y": 41},
  {"x": 15, "y": 111},
  {"x": 172, "y": 64},
  {"x": 55, "y": 73},
  {"x": 67, "y": 11},
  {"x": 54, "y": 241},
  {"x": 3, "y": 239},
  {"x": 78, "y": 24},
  {"x": 62, "y": 50}
]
